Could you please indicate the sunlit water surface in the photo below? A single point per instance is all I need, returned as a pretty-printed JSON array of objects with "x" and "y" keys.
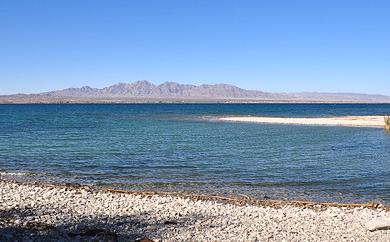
[{"x": 168, "y": 147}]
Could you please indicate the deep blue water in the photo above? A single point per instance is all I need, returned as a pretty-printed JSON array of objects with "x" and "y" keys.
[{"x": 176, "y": 147}]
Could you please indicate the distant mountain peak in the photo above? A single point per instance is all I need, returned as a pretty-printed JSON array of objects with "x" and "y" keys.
[
  {"x": 86, "y": 88},
  {"x": 143, "y": 83}
]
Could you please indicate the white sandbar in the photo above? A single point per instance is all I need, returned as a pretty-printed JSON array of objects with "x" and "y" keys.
[{"x": 362, "y": 121}]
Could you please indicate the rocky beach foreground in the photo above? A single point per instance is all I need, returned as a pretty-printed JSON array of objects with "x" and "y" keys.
[{"x": 39, "y": 212}]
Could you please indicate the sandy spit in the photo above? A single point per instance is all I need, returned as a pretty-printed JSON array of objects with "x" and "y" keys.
[
  {"x": 360, "y": 121},
  {"x": 52, "y": 213}
]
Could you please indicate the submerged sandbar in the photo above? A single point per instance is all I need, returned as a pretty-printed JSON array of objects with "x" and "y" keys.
[{"x": 359, "y": 121}]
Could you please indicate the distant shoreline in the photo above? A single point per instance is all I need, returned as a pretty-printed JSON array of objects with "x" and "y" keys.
[{"x": 175, "y": 101}]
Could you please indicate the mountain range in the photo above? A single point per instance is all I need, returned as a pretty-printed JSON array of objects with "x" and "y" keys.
[{"x": 145, "y": 91}]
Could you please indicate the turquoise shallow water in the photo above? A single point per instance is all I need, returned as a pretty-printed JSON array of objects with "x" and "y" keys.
[{"x": 170, "y": 147}]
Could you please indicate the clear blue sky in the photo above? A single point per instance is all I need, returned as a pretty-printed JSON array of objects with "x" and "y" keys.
[{"x": 281, "y": 46}]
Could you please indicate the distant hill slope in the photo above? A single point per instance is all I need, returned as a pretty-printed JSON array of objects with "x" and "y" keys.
[{"x": 145, "y": 91}]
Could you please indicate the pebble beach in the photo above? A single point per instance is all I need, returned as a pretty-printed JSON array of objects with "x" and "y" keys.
[{"x": 44, "y": 212}]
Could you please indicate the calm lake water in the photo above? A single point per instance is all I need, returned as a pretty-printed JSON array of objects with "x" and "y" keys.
[{"x": 176, "y": 147}]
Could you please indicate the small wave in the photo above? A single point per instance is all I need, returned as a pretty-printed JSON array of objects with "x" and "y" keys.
[{"x": 13, "y": 174}]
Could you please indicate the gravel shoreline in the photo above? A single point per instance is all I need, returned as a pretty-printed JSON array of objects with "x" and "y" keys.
[{"x": 51, "y": 213}]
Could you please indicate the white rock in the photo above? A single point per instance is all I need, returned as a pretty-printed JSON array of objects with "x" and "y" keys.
[{"x": 378, "y": 224}]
